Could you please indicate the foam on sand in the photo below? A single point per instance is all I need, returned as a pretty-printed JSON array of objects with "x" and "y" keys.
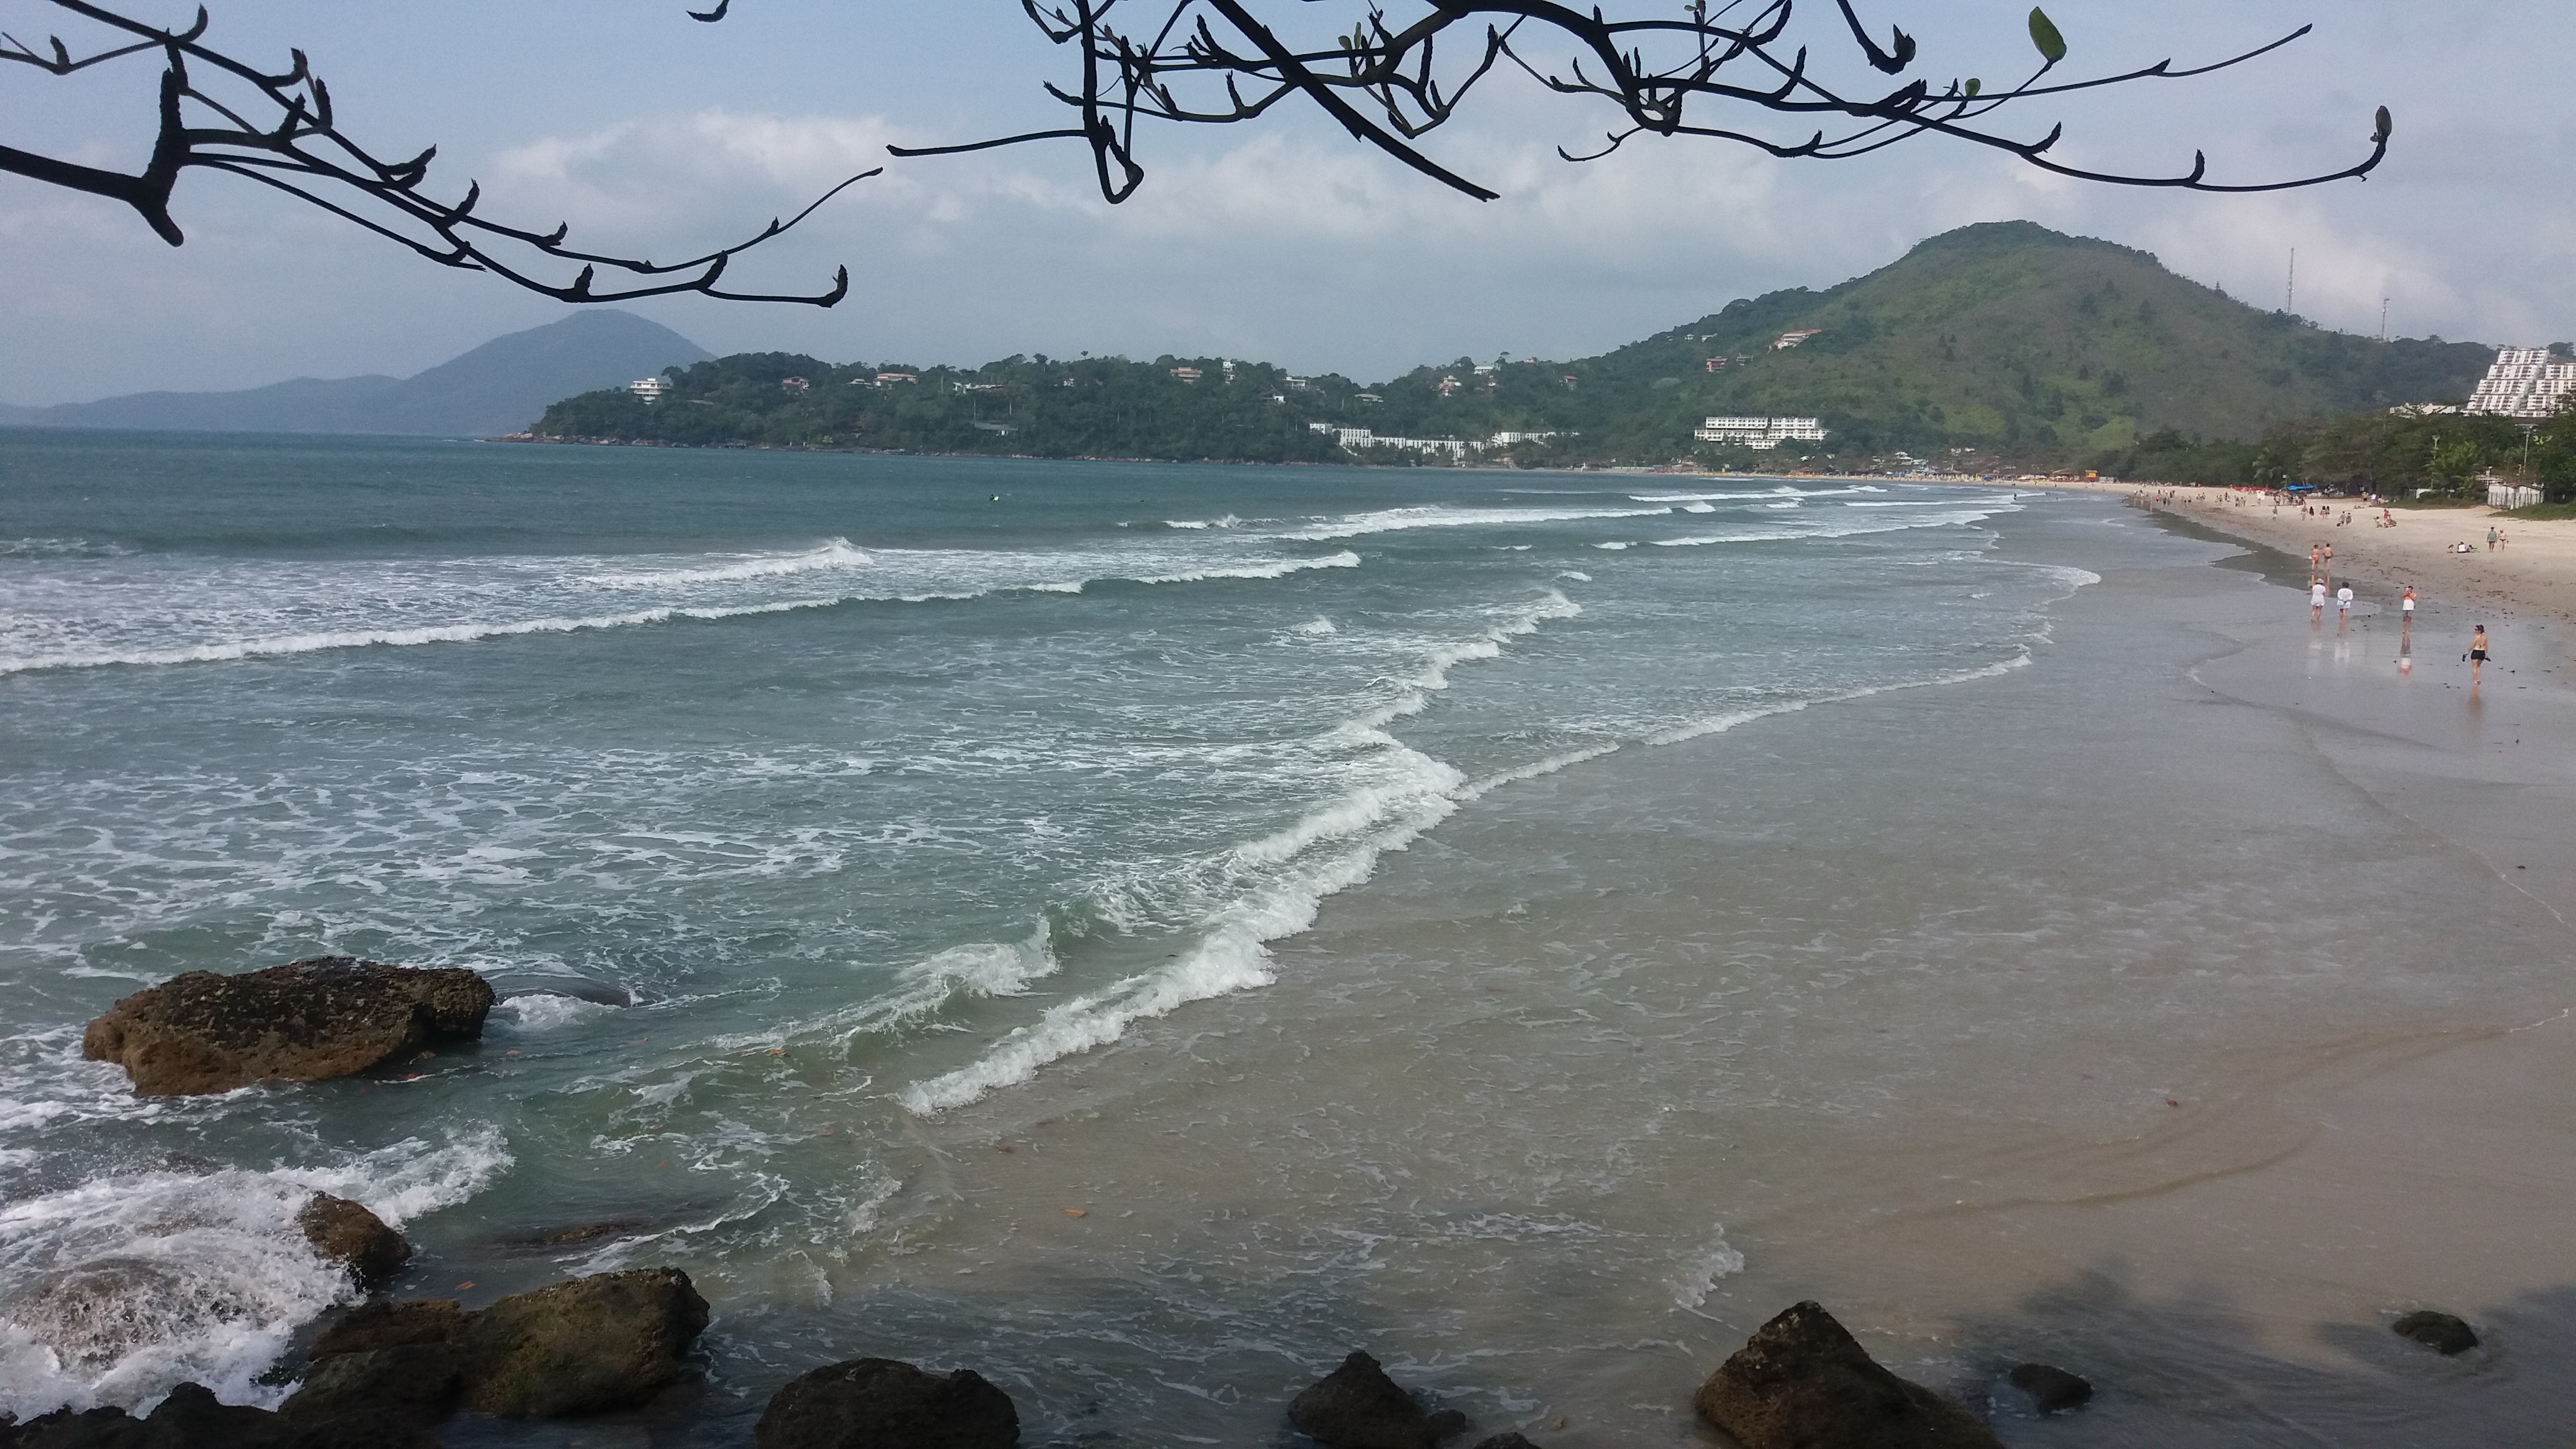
[{"x": 1269, "y": 887}]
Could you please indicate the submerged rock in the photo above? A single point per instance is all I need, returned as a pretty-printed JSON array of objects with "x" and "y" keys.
[
  {"x": 882, "y": 1403},
  {"x": 346, "y": 1233},
  {"x": 327, "y": 1016},
  {"x": 2439, "y": 1332},
  {"x": 2052, "y": 1390},
  {"x": 1505, "y": 1441},
  {"x": 1802, "y": 1382},
  {"x": 1357, "y": 1406}
]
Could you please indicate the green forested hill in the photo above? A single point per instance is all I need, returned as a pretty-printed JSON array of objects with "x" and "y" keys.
[{"x": 2006, "y": 338}]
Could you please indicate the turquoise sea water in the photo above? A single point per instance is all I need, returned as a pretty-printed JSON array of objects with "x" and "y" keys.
[{"x": 791, "y": 802}]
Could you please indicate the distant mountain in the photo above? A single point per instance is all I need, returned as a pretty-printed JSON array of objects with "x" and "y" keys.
[
  {"x": 2005, "y": 338},
  {"x": 499, "y": 387}
]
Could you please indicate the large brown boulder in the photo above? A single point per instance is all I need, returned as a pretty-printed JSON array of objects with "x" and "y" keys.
[
  {"x": 327, "y": 1016},
  {"x": 1803, "y": 1382},
  {"x": 610, "y": 1341},
  {"x": 346, "y": 1233},
  {"x": 881, "y": 1403},
  {"x": 1357, "y": 1406}
]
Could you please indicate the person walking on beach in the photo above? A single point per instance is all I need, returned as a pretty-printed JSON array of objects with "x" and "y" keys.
[
  {"x": 2316, "y": 551},
  {"x": 2477, "y": 655},
  {"x": 2343, "y": 607},
  {"x": 2491, "y": 538},
  {"x": 2316, "y": 600},
  {"x": 2406, "y": 610}
]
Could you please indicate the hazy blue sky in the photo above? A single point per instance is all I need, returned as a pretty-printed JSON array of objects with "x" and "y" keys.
[{"x": 1285, "y": 241}]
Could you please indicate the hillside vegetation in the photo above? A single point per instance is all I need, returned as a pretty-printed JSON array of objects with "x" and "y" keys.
[{"x": 2004, "y": 339}]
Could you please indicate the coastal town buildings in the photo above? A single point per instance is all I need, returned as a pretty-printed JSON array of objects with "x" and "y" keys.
[
  {"x": 2523, "y": 382},
  {"x": 1759, "y": 432}
]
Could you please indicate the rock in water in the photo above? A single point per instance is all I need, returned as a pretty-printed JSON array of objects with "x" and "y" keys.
[
  {"x": 1357, "y": 1406},
  {"x": 1505, "y": 1441},
  {"x": 371, "y": 1326},
  {"x": 2439, "y": 1332},
  {"x": 880, "y": 1403},
  {"x": 323, "y": 1017},
  {"x": 1803, "y": 1382},
  {"x": 2052, "y": 1390},
  {"x": 610, "y": 1341},
  {"x": 192, "y": 1418},
  {"x": 347, "y": 1234}
]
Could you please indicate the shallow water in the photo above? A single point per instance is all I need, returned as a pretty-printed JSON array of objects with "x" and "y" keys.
[{"x": 1531, "y": 927}]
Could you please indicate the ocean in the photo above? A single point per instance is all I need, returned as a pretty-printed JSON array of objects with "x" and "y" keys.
[{"x": 1074, "y": 920}]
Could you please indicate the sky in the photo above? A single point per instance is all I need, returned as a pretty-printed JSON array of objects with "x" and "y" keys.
[{"x": 1280, "y": 240}]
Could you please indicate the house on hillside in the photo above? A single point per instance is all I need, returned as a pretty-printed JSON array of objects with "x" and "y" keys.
[
  {"x": 650, "y": 389},
  {"x": 1787, "y": 340}
]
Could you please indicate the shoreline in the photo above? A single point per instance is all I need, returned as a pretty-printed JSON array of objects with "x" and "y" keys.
[{"x": 2218, "y": 1232}]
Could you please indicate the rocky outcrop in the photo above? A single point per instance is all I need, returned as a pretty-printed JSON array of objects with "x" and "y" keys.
[
  {"x": 346, "y": 1233},
  {"x": 2439, "y": 1332},
  {"x": 2052, "y": 1390},
  {"x": 584, "y": 1346},
  {"x": 1803, "y": 1382},
  {"x": 327, "y": 1016},
  {"x": 191, "y": 1418},
  {"x": 881, "y": 1403},
  {"x": 1357, "y": 1406}
]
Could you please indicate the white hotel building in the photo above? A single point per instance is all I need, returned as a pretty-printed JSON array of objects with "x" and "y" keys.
[
  {"x": 2523, "y": 382},
  {"x": 1763, "y": 433}
]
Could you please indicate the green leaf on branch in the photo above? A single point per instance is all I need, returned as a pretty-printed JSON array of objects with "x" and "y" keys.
[
  {"x": 2386, "y": 124},
  {"x": 2043, "y": 33},
  {"x": 1975, "y": 85}
]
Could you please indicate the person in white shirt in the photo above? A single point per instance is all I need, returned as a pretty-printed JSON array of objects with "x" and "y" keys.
[
  {"x": 2316, "y": 600},
  {"x": 2343, "y": 606}
]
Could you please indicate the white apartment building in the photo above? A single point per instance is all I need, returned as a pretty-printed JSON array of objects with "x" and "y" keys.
[
  {"x": 2523, "y": 382},
  {"x": 1762, "y": 433},
  {"x": 1354, "y": 439},
  {"x": 650, "y": 389}
]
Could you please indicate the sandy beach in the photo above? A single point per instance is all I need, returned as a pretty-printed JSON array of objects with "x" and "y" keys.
[{"x": 2533, "y": 572}]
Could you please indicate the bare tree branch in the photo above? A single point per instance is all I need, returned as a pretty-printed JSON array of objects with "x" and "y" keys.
[
  {"x": 296, "y": 148},
  {"x": 1216, "y": 62}
]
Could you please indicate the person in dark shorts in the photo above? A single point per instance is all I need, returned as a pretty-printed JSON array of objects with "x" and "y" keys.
[{"x": 2477, "y": 655}]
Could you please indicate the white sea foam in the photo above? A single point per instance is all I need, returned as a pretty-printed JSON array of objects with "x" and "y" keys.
[
  {"x": 545, "y": 1011},
  {"x": 1396, "y": 520},
  {"x": 840, "y": 553},
  {"x": 1698, "y": 1275},
  {"x": 126, "y": 626},
  {"x": 1229, "y": 521},
  {"x": 1269, "y": 887},
  {"x": 1230, "y": 954},
  {"x": 1699, "y": 508},
  {"x": 123, "y": 1287}
]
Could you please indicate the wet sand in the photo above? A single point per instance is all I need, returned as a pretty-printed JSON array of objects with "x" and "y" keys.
[{"x": 2181, "y": 1010}]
